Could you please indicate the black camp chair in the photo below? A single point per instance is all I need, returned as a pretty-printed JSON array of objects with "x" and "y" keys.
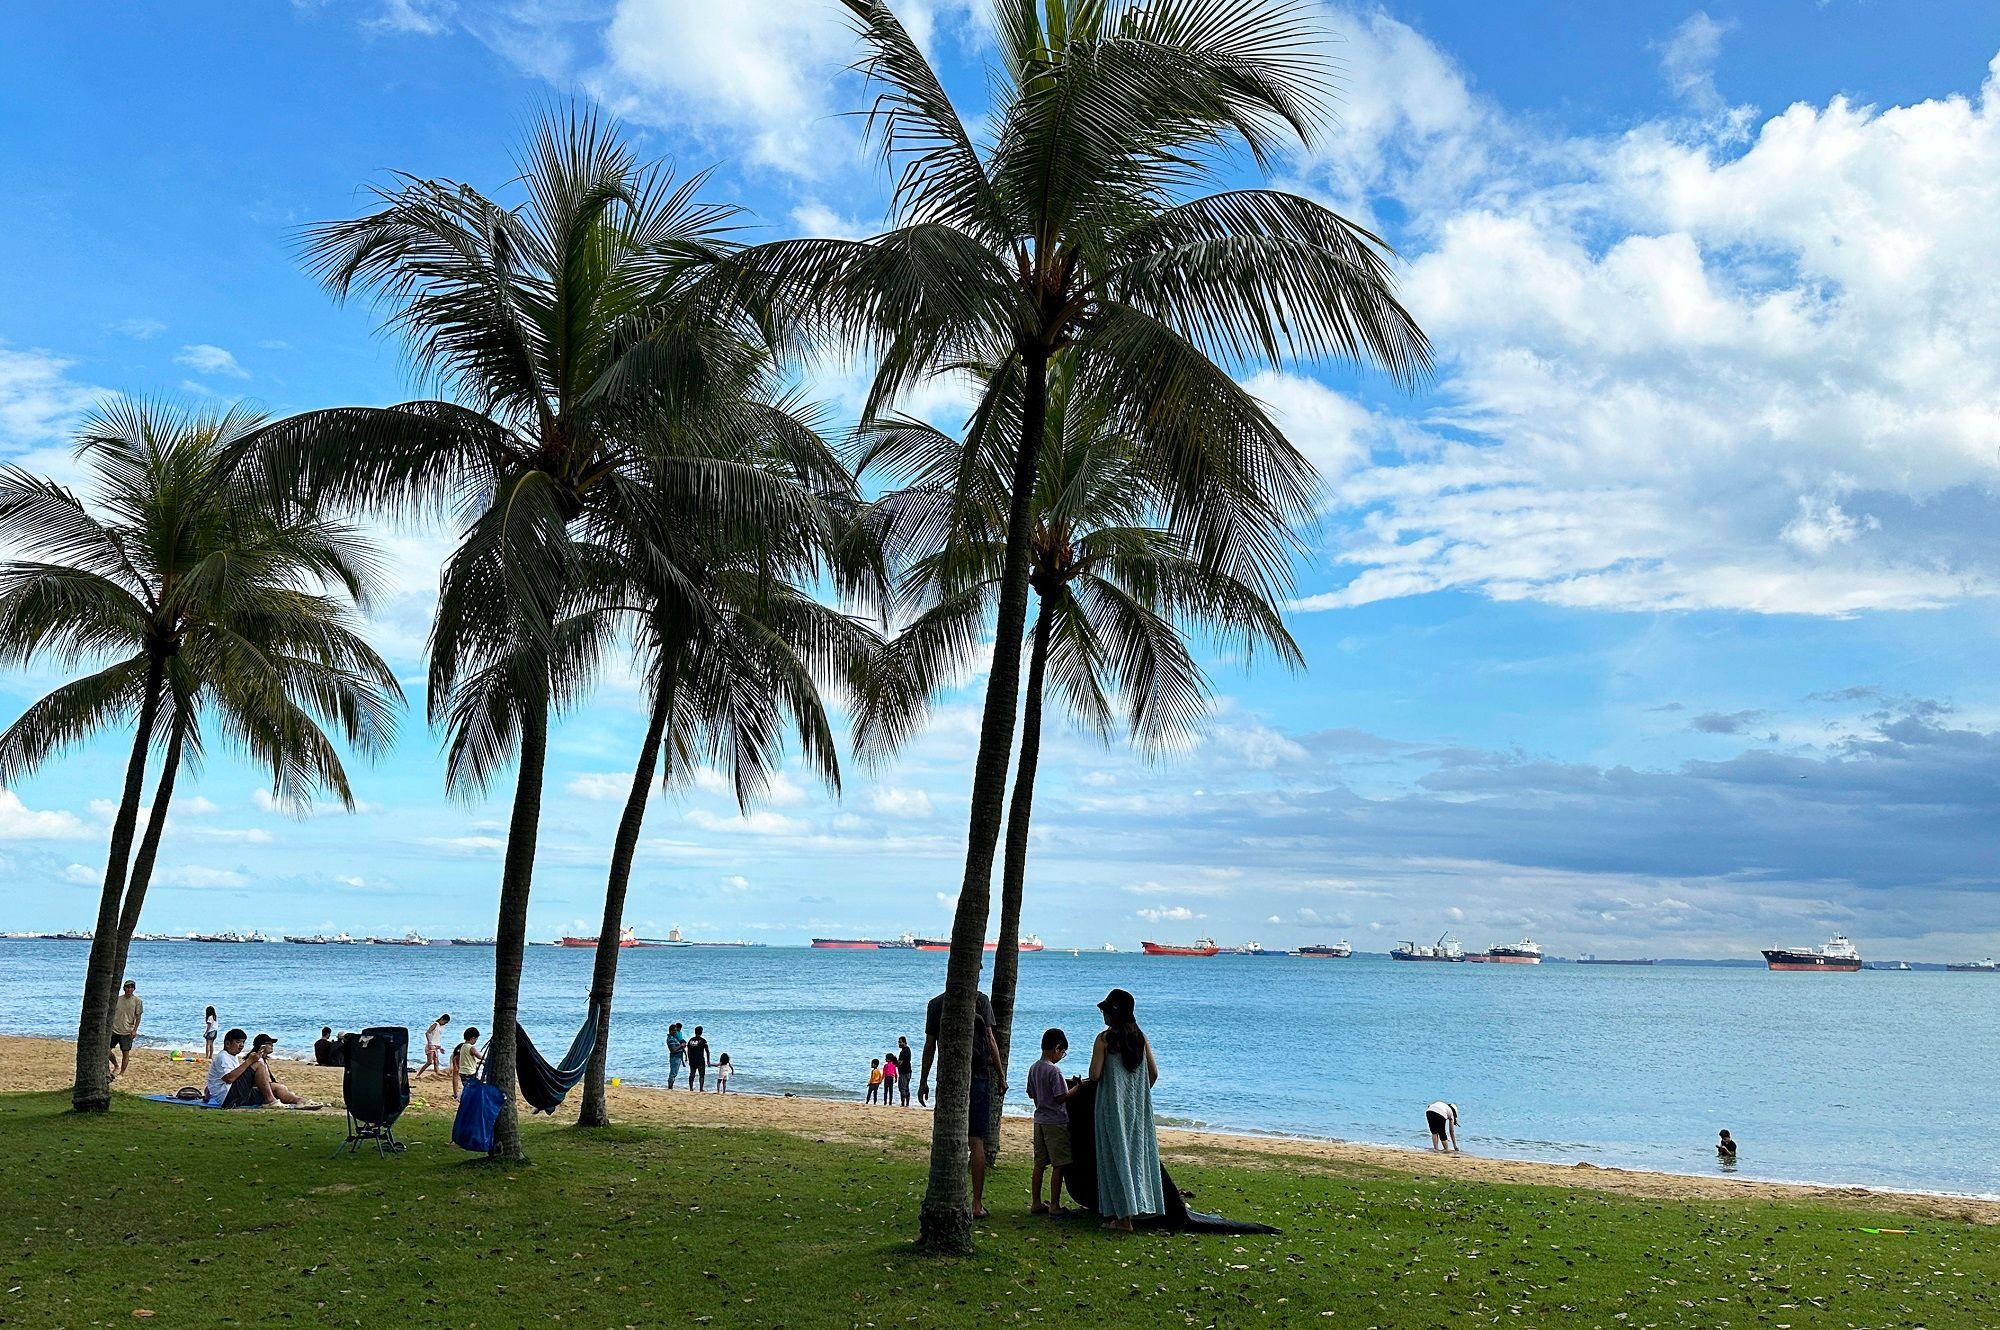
[{"x": 376, "y": 1086}]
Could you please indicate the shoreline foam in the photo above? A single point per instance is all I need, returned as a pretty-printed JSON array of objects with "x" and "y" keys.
[{"x": 37, "y": 1064}]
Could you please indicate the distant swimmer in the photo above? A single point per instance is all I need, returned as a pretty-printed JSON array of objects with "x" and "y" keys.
[{"x": 1443, "y": 1120}]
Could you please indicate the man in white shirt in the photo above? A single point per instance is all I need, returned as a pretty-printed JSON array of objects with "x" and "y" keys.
[{"x": 243, "y": 1080}]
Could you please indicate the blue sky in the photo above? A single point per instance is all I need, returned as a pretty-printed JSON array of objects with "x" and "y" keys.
[{"x": 1659, "y": 621}]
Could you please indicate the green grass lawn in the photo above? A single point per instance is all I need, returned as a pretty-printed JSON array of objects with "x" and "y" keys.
[{"x": 209, "y": 1219}]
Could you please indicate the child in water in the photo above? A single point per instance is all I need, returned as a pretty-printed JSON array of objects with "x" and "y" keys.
[{"x": 1725, "y": 1147}]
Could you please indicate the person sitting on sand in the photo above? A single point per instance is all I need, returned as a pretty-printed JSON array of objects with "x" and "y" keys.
[
  {"x": 1442, "y": 1119},
  {"x": 465, "y": 1060},
  {"x": 243, "y": 1080},
  {"x": 326, "y": 1049},
  {"x": 1725, "y": 1147},
  {"x": 434, "y": 1047}
]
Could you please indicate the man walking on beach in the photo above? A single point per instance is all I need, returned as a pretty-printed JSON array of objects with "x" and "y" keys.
[
  {"x": 988, "y": 1080},
  {"x": 126, "y": 1014}
]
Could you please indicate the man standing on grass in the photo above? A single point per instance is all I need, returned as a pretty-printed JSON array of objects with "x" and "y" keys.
[
  {"x": 989, "y": 1081},
  {"x": 126, "y": 1013}
]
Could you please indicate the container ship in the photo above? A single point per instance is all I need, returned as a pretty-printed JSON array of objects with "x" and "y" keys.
[
  {"x": 1524, "y": 952},
  {"x": 1447, "y": 949},
  {"x": 1338, "y": 951},
  {"x": 1256, "y": 949},
  {"x": 1987, "y": 966},
  {"x": 411, "y": 939},
  {"x": 474, "y": 942},
  {"x": 846, "y": 944},
  {"x": 1607, "y": 960},
  {"x": 1838, "y": 956},
  {"x": 1202, "y": 947}
]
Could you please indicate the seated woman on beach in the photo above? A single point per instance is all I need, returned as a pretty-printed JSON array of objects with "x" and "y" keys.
[
  {"x": 243, "y": 1080},
  {"x": 1128, "y": 1144}
]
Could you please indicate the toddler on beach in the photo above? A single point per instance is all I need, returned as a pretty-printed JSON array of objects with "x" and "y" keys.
[
  {"x": 722, "y": 1070},
  {"x": 1050, "y": 1092},
  {"x": 874, "y": 1079}
]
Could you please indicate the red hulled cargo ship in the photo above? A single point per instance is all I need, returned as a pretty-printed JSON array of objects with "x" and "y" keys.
[{"x": 1203, "y": 947}]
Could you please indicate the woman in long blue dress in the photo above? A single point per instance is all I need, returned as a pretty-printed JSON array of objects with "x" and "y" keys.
[{"x": 1128, "y": 1144}]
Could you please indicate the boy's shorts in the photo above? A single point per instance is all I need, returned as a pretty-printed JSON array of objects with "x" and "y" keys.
[{"x": 1052, "y": 1144}]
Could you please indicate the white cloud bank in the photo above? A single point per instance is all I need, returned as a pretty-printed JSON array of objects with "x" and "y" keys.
[{"x": 1681, "y": 367}]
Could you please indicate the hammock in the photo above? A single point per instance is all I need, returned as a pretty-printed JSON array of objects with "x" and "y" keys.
[{"x": 542, "y": 1085}]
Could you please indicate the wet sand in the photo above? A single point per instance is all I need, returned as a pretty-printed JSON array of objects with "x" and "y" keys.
[{"x": 48, "y": 1064}]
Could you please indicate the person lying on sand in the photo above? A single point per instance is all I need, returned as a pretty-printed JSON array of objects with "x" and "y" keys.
[{"x": 243, "y": 1080}]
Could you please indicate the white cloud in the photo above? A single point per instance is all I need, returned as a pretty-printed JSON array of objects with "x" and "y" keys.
[
  {"x": 1687, "y": 60},
  {"x": 140, "y": 329},
  {"x": 20, "y": 822},
  {"x": 201, "y": 877},
  {"x": 896, "y": 802},
  {"x": 206, "y": 358},
  {"x": 601, "y": 786},
  {"x": 38, "y": 402},
  {"x": 1650, "y": 346},
  {"x": 83, "y": 875},
  {"x": 349, "y": 880},
  {"x": 1168, "y": 914},
  {"x": 753, "y": 74},
  {"x": 756, "y": 822},
  {"x": 421, "y": 18},
  {"x": 736, "y": 882}
]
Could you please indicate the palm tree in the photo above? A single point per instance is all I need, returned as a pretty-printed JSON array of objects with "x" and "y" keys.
[
  {"x": 1116, "y": 592},
  {"x": 1068, "y": 229},
  {"x": 565, "y": 330},
  {"x": 732, "y": 649},
  {"x": 207, "y": 599}
]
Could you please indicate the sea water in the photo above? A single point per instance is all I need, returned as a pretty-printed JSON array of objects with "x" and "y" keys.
[{"x": 1875, "y": 1079}]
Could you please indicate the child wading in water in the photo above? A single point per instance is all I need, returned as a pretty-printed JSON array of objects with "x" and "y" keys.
[
  {"x": 722, "y": 1070},
  {"x": 465, "y": 1060},
  {"x": 874, "y": 1079},
  {"x": 1050, "y": 1092}
]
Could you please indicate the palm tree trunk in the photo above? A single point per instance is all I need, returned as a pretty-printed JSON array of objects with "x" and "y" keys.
[
  {"x": 945, "y": 1220},
  {"x": 604, "y": 975},
  {"x": 92, "y": 1091},
  {"x": 1014, "y": 864},
  {"x": 149, "y": 851},
  {"x": 517, "y": 878}
]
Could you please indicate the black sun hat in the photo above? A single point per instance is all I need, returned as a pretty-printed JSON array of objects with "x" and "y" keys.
[{"x": 1117, "y": 1003}]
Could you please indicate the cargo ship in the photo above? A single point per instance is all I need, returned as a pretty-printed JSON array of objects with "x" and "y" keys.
[
  {"x": 1607, "y": 960},
  {"x": 1524, "y": 952},
  {"x": 846, "y": 944},
  {"x": 1032, "y": 942},
  {"x": 1838, "y": 956},
  {"x": 1256, "y": 949},
  {"x": 473, "y": 942},
  {"x": 316, "y": 940},
  {"x": 1202, "y": 947},
  {"x": 410, "y": 939},
  {"x": 1987, "y": 966},
  {"x": 1446, "y": 949},
  {"x": 626, "y": 939},
  {"x": 1338, "y": 951}
]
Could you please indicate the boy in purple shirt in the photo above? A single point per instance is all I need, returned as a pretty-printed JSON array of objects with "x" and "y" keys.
[{"x": 1049, "y": 1091}]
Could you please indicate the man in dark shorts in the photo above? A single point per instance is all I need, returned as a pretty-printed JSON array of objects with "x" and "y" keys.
[
  {"x": 126, "y": 1013},
  {"x": 988, "y": 1081},
  {"x": 697, "y": 1055}
]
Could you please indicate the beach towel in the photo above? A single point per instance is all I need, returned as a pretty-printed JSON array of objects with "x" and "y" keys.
[
  {"x": 176, "y": 1099},
  {"x": 1081, "y": 1179}
]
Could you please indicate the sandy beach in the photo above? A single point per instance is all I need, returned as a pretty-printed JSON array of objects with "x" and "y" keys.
[{"x": 28, "y": 1064}]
